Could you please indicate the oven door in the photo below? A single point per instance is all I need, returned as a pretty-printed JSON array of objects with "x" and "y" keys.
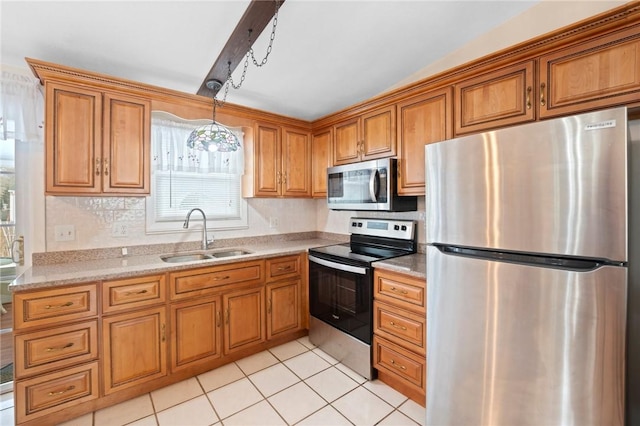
[{"x": 341, "y": 295}]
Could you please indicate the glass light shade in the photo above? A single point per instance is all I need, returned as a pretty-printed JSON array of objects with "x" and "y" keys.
[{"x": 213, "y": 137}]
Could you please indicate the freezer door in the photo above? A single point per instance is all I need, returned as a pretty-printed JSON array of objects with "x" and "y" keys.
[
  {"x": 509, "y": 344},
  {"x": 557, "y": 186}
]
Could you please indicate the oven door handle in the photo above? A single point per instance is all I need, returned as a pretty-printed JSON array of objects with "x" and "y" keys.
[{"x": 339, "y": 266}]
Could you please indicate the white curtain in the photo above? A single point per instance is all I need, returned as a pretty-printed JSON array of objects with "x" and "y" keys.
[
  {"x": 21, "y": 108},
  {"x": 170, "y": 152},
  {"x": 22, "y": 124}
]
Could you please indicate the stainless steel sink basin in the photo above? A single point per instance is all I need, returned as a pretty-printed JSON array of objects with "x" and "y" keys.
[
  {"x": 186, "y": 257},
  {"x": 229, "y": 253}
]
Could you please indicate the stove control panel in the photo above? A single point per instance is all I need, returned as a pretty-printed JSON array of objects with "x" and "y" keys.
[{"x": 388, "y": 228}]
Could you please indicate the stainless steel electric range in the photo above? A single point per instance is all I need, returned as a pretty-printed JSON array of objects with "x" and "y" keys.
[{"x": 341, "y": 287}]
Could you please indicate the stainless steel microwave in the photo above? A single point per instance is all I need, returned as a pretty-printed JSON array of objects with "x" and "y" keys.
[{"x": 367, "y": 185}]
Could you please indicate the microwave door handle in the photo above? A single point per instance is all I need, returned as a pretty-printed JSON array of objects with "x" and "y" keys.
[{"x": 374, "y": 185}]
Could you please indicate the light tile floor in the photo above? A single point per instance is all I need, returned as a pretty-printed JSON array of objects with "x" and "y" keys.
[{"x": 292, "y": 384}]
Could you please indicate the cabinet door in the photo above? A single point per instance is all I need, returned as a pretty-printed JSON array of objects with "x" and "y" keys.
[
  {"x": 196, "y": 332},
  {"x": 268, "y": 176},
  {"x": 600, "y": 73},
  {"x": 73, "y": 139},
  {"x": 421, "y": 120},
  {"x": 379, "y": 133},
  {"x": 126, "y": 149},
  {"x": 296, "y": 163},
  {"x": 135, "y": 348},
  {"x": 244, "y": 319},
  {"x": 321, "y": 144},
  {"x": 346, "y": 145},
  {"x": 283, "y": 307},
  {"x": 500, "y": 98}
]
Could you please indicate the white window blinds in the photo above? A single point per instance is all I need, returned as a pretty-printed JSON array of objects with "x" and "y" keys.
[{"x": 184, "y": 178}]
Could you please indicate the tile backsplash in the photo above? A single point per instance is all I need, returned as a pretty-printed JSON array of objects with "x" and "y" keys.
[{"x": 93, "y": 220}]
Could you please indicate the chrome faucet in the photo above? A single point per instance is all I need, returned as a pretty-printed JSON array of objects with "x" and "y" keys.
[{"x": 205, "y": 243}]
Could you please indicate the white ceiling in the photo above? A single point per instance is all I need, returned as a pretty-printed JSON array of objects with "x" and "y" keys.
[{"x": 327, "y": 55}]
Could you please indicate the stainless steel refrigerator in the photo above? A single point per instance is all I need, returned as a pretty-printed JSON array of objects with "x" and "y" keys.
[{"x": 528, "y": 255}]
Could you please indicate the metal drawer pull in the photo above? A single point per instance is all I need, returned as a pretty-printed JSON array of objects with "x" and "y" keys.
[
  {"x": 400, "y": 366},
  {"x": 129, "y": 293},
  {"x": 59, "y": 348},
  {"x": 401, "y": 327},
  {"x": 64, "y": 305},
  {"x": 284, "y": 268},
  {"x": 70, "y": 388},
  {"x": 226, "y": 277},
  {"x": 399, "y": 291}
]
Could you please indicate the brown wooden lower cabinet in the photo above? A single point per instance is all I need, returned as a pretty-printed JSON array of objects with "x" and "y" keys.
[
  {"x": 196, "y": 332},
  {"x": 244, "y": 318},
  {"x": 134, "y": 348},
  {"x": 77, "y": 352},
  {"x": 399, "y": 327}
]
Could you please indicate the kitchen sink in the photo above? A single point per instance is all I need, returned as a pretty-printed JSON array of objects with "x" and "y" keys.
[
  {"x": 187, "y": 257},
  {"x": 229, "y": 253}
]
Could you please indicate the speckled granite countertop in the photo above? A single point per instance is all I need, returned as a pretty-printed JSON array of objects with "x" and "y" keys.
[
  {"x": 413, "y": 264},
  {"x": 124, "y": 267}
]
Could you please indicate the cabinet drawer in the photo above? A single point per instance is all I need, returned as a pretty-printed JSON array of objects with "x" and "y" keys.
[
  {"x": 203, "y": 281},
  {"x": 50, "y": 306},
  {"x": 52, "y": 349},
  {"x": 404, "y": 291},
  {"x": 402, "y": 327},
  {"x": 283, "y": 267},
  {"x": 132, "y": 293},
  {"x": 399, "y": 362},
  {"x": 42, "y": 395}
]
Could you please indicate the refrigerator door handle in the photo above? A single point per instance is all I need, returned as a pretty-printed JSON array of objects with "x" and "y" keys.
[{"x": 529, "y": 259}]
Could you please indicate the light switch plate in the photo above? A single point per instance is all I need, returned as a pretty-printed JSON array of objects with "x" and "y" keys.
[{"x": 65, "y": 232}]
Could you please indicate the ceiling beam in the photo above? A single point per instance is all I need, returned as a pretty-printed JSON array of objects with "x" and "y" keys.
[{"x": 255, "y": 18}]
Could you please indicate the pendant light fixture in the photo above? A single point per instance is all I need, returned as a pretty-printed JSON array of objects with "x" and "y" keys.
[{"x": 215, "y": 137}]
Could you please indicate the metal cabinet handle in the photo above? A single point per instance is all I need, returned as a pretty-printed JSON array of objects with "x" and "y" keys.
[
  {"x": 393, "y": 324},
  {"x": 278, "y": 178},
  {"x": 400, "y": 366},
  {"x": 98, "y": 166},
  {"x": 59, "y": 348},
  {"x": 218, "y": 315},
  {"x": 131, "y": 293},
  {"x": 70, "y": 388},
  {"x": 542, "y": 101},
  {"x": 284, "y": 268},
  {"x": 225, "y": 277},
  {"x": 64, "y": 305},
  {"x": 529, "y": 89},
  {"x": 269, "y": 306},
  {"x": 106, "y": 167},
  {"x": 226, "y": 320},
  {"x": 399, "y": 291},
  {"x": 284, "y": 177},
  {"x": 164, "y": 334}
]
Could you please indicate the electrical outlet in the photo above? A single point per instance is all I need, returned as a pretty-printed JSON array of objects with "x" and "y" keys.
[
  {"x": 65, "y": 232},
  {"x": 119, "y": 230},
  {"x": 273, "y": 222}
]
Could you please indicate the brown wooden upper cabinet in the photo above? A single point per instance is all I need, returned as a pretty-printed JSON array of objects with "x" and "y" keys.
[
  {"x": 96, "y": 142},
  {"x": 421, "y": 120},
  {"x": 595, "y": 74},
  {"x": 366, "y": 137},
  {"x": 321, "y": 149},
  {"x": 499, "y": 98},
  {"x": 282, "y": 159}
]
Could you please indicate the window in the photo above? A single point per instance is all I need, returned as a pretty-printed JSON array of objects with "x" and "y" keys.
[{"x": 184, "y": 178}]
